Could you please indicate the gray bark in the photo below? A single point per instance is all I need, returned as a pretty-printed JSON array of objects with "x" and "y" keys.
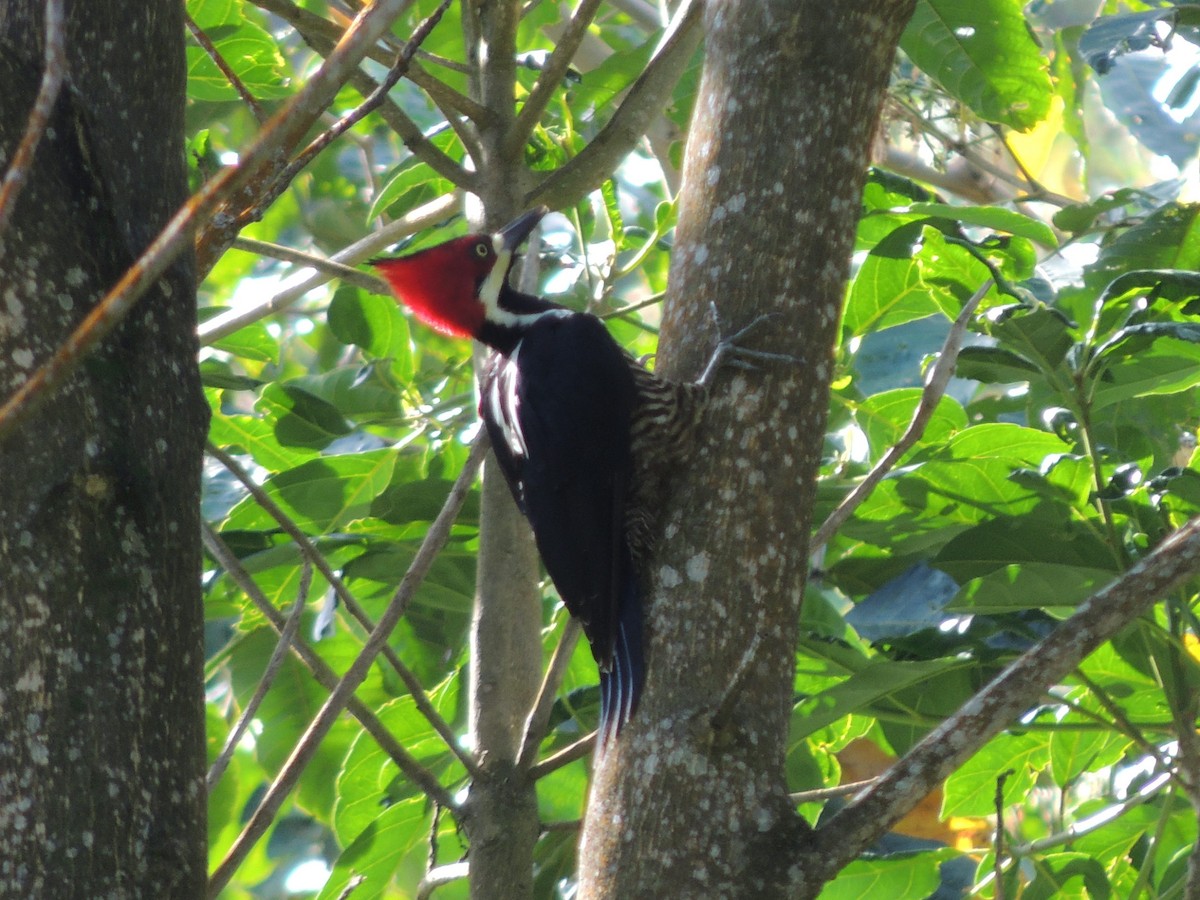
[
  {"x": 101, "y": 678},
  {"x": 693, "y": 800},
  {"x": 501, "y": 818}
]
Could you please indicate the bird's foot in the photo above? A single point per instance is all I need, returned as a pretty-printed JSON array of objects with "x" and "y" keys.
[{"x": 728, "y": 352}]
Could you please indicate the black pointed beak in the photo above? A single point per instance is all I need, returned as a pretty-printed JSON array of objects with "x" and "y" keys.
[{"x": 512, "y": 235}]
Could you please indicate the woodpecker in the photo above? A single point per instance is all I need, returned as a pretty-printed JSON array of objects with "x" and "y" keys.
[{"x": 584, "y": 434}]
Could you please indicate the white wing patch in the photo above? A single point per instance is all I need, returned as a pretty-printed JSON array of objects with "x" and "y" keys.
[{"x": 504, "y": 404}]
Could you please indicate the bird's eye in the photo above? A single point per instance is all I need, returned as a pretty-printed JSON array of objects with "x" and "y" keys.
[{"x": 482, "y": 250}]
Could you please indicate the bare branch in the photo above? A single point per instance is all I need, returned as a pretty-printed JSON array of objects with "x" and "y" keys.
[
  {"x": 552, "y": 74},
  {"x": 440, "y": 877},
  {"x": 341, "y": 695},
  {"x": 219, "y": 61},
  {"x": 314, "y": 557},
  {"x": 281, "y": 132},
  {"x": 1006, "y": 697},
  {"x": 539, "y": 716},
  {"x": 645, "y": 100},
  {"x": 935, "y": 388},
  {"x": 53, "y": 76},
  {"x": 264, "y": 684},
  {"x": 324, "y": 675},
  {"x": 373, "y": 101},
  {"x": 568, "y": 754},
  {"x": 321, "y": 263},
  {"x": 417, "y": 220}
]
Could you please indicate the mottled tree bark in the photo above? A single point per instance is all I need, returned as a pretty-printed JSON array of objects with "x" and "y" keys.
[
  {"x": 101, "y": 676},
  {"x": 501, "y": 817},
  {"x": 693, "y": 801}
]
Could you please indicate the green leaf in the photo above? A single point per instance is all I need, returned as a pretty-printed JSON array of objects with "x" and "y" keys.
[
  {"x": 994, "y": 217},
  {"x": 1168, "y": 239},
  {"x": 907, "y": 877},
  {"x": 1169, "y": 366},
  {"x": 981, "y": 51},
  {"x": 993, "y": 365},
  {"x": 1056, "y": 871},
  {"x": 885, "y": 416},
  {"x": 1040, "y": 334},
  {"x": 971, "y": 791},
  {"x": 911, "y": 273},
  {"x": 246, "y": 48},
  {"x": 322, "y": 494},
  {"x": 374, "y": 855},
  {"x": 1030, "y": 585},
  {"x": 299, "y": 418},
  {"x": 872, "y": 685}
]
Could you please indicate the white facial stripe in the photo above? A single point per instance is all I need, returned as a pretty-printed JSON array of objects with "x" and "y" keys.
[{"x": 489, "y": 294}]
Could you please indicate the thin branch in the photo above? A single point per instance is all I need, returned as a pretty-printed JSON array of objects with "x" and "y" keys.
[
  {"x": 314, "y": 557},
  {"x": 322, "y": 35},
  {"x": 440, "y": 877},
  {"x": 53, "y": 76},
  {"x": 301, "y": 755},
  {"x": 323, "y": 674},
  {"x": 566, "y": 755},
  {"x": 320, "y": 263},
  {"x": 645, "y": 100},
  {"x": 219, "y": 61},
  {"x": 935, "y": 387},
  {"x": 1004, "y": 699},
  {"x": 816, "y": 795},
  {"x": 417, "y": 220},
  {"x": 552, "y": 74},
  {"x": 373, "y": 101},
  {"x": 264, "y": 683},
  {"x": 281, "y": 132},
  {"x": 539, "y": 716}
]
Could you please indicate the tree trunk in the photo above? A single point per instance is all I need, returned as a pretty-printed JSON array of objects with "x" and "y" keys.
[
  {"x": 506, "y": 629},
  {"x": 101, "y": 678},
  {"x": 693, "y": 800}
]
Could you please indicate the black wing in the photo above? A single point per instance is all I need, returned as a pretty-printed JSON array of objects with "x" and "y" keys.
[{"x": 558, "y": 410}]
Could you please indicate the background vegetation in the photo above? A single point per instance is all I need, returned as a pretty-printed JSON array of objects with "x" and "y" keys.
[{"x": 1032, "y": 203}]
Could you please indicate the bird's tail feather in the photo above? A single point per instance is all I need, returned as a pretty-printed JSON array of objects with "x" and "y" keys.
[{"x": 621, "y": 685}]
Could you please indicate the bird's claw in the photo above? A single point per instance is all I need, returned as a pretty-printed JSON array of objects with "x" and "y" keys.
[{"x": 727, "y": 351}]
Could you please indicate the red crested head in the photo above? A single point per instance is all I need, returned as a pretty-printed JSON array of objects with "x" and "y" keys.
[
  {"x": 441, "y": 284},
  {"x": 448, "y": 287}
]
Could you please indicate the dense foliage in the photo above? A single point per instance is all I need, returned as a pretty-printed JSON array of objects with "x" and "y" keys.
[{"x": 1030, "y": 168}]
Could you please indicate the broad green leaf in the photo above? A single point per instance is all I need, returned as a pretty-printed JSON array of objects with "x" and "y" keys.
[
  {"x": 1068, "y": 875},
  {"x": 299, "y": 418},
  {"x": 993, "y": 365},
  {"x": 1169, "y": 366},
  {"x": 370, "y": 860},
  {"x": 322, "y": 494},
  {"x": 981, "y": 51},
  {"x": 871, "y": 685},
  {"x": 971, "y": 791},
  {"x": 246, "y": 48},
  {"x": 906, "y": 877},
  {"x": 1030, "y": 585},
  {"x": 912, "y": 273},
  {"x": 1039, "y": 538},
  {"x": 1040, "y": 334},
  {"x": 885, "y": 416},
  {"x": 996, "y": 218},
  {"x": 1168, "y": 239},
  {"x": 256, "y": 436}
]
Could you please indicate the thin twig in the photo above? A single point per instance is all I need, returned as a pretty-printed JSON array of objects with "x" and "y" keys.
[
  {"x": 372, "y": 102},
  {"x": 935, "y": 387},
  {"x": 314, "y": 556},
  {"x": 998, "y": 851},
  {"x": 816, "y": 795},
  {"x": 567, "y": 754},
  {"x": 264, "y": 683},
  {"x": 644, "y": 101},
  {"x": 331, "y": 709},
  {"x": 552, "y": 74},
  {"x": 280, "y": 132},
  {"x": 417, "y": 220},
  {"x": 219, "y": 61},
  {"x": 440, "y": 877},
  {"x": 321, "y": 263},
  {"x": 322, "y": 35},
  {"x": 53, "y": 76},
  {"x": 323, "y": 674},
  {"x": 539, "y": 716}
]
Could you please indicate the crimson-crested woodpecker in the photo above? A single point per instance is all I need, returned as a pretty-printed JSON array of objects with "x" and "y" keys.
[{"x": 583, "y": 433}]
